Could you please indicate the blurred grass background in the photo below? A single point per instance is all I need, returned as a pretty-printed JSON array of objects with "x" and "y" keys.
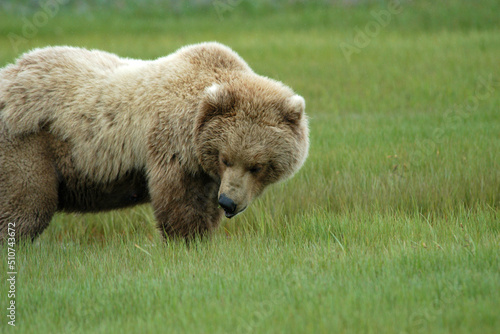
[{"x": 391, "y": 226}]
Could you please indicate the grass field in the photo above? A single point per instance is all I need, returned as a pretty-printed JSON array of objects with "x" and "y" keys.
[{"x": 392, "y": 226}]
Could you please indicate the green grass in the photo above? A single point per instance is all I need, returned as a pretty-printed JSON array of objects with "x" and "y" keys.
[{"x": 392, "y": 226}]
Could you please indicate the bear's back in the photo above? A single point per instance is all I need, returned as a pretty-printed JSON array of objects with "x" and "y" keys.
[
  {"x": 69, "y": 59},
  {"x": 49, "y": 79}
]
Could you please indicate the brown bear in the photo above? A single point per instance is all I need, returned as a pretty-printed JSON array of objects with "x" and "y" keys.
[{"x": 195, "y": 133}]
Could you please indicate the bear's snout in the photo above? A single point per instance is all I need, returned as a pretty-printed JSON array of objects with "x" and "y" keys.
[{"x": 228, "y": 205}]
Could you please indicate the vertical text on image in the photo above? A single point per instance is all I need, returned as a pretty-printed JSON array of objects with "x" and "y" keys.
[{"x": 11, "y": 273}]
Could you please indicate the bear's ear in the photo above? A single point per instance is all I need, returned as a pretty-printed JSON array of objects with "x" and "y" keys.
[
  {"x": 294, "y": 108},
  {"x": 217, "y": 101}
]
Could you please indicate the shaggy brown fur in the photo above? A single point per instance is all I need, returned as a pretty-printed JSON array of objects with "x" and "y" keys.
[{"x": 88, "y": 131}]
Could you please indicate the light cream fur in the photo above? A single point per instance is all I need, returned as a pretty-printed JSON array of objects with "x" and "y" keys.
[{"x": 100, "y": 120}]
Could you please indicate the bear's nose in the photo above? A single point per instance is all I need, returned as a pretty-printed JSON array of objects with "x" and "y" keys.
[{"x": 228, "y": 205}]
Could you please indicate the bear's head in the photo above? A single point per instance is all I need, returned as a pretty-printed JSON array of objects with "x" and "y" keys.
[{"x": 250, "y": 132}]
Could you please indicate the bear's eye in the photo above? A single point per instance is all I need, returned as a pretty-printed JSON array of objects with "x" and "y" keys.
[
  {"x": 225, "y": 162},
  {"x": 255, "y": 169}
]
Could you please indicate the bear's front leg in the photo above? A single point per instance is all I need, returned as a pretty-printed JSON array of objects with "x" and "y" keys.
[{"x": 185, "y": 205}]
